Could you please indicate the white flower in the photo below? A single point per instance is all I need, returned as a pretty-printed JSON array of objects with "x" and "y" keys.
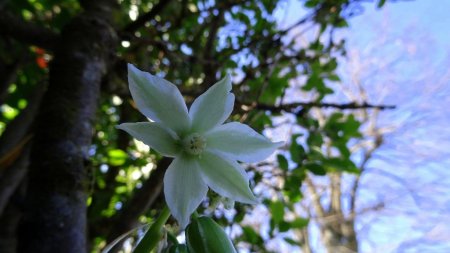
[{"x": 206, "y": 151}]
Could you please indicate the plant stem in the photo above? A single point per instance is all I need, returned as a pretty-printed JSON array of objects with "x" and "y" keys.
[{"x": 153, "y": 234}]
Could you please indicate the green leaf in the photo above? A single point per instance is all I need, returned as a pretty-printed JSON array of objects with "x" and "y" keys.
[
  {"x": 284, "y": 226},
  {"x": 282, "y": 162},
  {"x": 341, "y": 23},
  {"x": 314, "y": 81},
  {"x": 297, "y": 151},
  {"x": 269, "y": 5},
  {"x": 251, "y": 236},
  {"x": 311, "y": 3},
  {"x": 381, "y": 3},
  {"x": 341, "y": 164},
  {"x": 334, "y": 77},
  {"x": 330, "y": 66},
  {"x": 179, "y": 248},
  {"x": 299, "y": 223},
  {"x": 351, "y": 127},
  {"x": 204, "y": 235},
  {"x": 277, "y": 211},
  {"x": 117, "y": 157},
  {"x": 293, "y": 184},
  {"x": 274, "y": 88},
  {"x": 315, "y": 139},
  {"x": 316, "y": 169}
]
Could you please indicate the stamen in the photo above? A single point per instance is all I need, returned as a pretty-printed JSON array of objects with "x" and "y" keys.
[{"x": 194, "y": 144}]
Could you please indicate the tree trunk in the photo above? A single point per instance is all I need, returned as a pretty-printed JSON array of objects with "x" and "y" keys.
[{"x": 55, "y": 215}]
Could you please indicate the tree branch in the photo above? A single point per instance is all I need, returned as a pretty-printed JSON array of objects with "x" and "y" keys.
[
  {"x": 294, "y": 107},
  {"x": 336, "y": 193},
  {"x": 14, "y": 147},
  {"x": 315, "y": 197},
  {"x": 10, "y": 220},
  {"x": 210, "y": 69},
  {"x": 378, "y": 141},
  {"x": 27, "y": 32}
]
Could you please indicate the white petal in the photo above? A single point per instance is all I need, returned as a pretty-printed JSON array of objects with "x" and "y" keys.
[
  {"x": 213, "y": 107},
  {"x": 240, "y": 142},
  {"x": 154, "y": 135},
  {"x": 225, "y": 177},
  {"x": 184, "y": 188},
  {"x": 158, "y": 99}
]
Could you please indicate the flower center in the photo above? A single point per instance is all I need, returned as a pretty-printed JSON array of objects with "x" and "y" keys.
[{"x": 194, "y": 144}]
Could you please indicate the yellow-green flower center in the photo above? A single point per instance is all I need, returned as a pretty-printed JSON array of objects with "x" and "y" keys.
[{"x": 194, "y": 144}]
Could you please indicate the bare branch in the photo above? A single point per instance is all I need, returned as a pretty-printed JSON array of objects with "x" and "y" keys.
[
  {"x": 315, "y": 197},
  {"x": 336, "y": 192},
  {"x": 302, "y": 21},
  {"x": 294, "y": 107},
  {"x": 367, "y": 156}
]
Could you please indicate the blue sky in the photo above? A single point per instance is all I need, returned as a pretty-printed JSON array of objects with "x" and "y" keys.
[
  {"x": 417, "y": 217},
  {"x": 403, "y": 52}
]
